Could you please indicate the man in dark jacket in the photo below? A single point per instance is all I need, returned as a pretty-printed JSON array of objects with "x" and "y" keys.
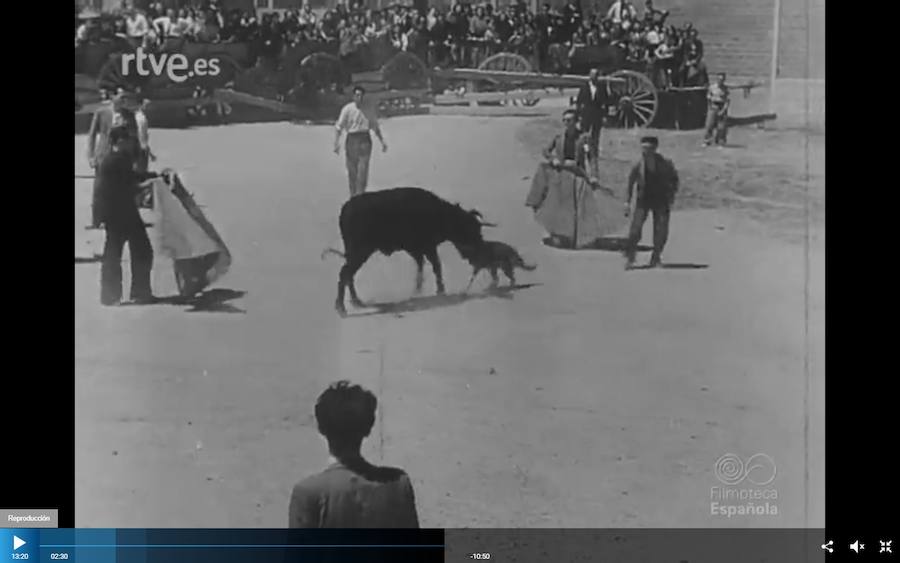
[
  {"x": 118, "y": 186},
  {"x": 591, "y": 105},
  {"x": 351, "y": 492},
  {"x": 656, "y": 181}
]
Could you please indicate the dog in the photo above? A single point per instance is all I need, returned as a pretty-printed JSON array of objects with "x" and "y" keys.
[{"x": 493, "y": 256}]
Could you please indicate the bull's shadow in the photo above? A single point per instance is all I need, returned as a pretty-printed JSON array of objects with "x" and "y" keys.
[{"x": 427, "y": 302}]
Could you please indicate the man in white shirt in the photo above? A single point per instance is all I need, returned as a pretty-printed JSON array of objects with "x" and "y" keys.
[
  {"x": 718, "y": 99},
  {"x": 307, "y": 17},
  {"x": 357, "y": 120},
  {"x": 84, "y": 32},
  {"x": 654, "y": 38},
  {"x": 617, "y": 12},
  {"x": 166, "y": 24},
  {"x": 136, "y": 25},
  {"x": 143, "y": 128}
]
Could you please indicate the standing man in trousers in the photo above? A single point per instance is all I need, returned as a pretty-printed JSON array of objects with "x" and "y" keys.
[
  {"x": 657, "y": 183},
  {"x": 358, "y": 122},
  {"x": 118, "y": 185},
  {"x": 718, "y": 99},
  {"x": 98, "y": 145},
  {"x": 591, "y": 106}
]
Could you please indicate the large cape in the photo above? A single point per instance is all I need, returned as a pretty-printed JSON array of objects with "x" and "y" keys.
[
  {"x": 566, "y": 206},
  {"x": 184, "y": 234}
]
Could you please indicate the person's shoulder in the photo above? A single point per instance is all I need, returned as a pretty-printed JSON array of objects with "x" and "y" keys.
[
  {"x": 388, "y": 474},
  {"x": 312, "y": 485}
]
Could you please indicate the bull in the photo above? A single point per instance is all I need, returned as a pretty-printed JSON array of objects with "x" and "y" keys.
[{"x": 412, "y": 220}]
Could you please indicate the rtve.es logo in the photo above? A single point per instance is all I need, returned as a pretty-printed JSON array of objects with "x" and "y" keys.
[{"x": 175, "y": 66}]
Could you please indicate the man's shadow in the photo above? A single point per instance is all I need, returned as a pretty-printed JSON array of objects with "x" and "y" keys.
[
  {"x": 425, "y": 303},
  {"x": 618, "y": 244},
  {"x": 608, "y": 244},
  {"x": 88, "y": 259},
  {"x": 210, "y": 301},
  {"x": 672, "y": 266}
]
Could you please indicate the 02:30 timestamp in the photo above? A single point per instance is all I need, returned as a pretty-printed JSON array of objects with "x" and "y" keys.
[{"x": 59, "y": 556}]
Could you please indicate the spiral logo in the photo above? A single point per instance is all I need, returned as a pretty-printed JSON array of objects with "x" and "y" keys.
[
  {"x": 759, "y": 470},
  {"x": 730, "y": 469}
]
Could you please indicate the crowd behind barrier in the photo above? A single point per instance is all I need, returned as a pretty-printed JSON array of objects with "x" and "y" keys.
[{"x": 462, "y": 37}]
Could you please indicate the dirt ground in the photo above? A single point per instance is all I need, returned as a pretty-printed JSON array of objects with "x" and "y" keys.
[{"x": 594, "y": 397}]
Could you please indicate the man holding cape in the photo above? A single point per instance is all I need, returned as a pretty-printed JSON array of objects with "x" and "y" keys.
[{"x": 562, "y": 194}]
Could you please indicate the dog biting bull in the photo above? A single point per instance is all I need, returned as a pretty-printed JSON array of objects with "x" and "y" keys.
[{"x": 412, "y": 220}]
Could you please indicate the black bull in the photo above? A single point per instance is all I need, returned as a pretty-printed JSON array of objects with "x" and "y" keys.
[{"x": 412, "y": 220}]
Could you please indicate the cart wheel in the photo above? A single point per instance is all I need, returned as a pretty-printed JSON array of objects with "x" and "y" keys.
[
  {"x": 635, "y": 97},
  {"x": 180, "y": 282},
  {"x": 506, "y": 62},
  {"x": 229, "y": 71},
  {"x": 321, "y": 73},
  {"x": 405, "y": 71},
  {"x": 112, "y": 76}
]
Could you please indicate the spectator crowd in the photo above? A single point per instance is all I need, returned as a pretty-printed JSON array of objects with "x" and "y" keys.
[{"x": 463, "y": 36}]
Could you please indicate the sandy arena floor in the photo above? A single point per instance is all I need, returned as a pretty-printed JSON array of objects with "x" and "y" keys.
[{"x": 594, "y": 398}]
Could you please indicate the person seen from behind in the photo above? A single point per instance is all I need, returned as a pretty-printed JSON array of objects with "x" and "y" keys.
[{"x": 351, "y": 492}]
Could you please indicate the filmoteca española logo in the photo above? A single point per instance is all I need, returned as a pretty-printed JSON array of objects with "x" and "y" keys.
[
  {"x": 759, "y": 470},
  {"x": 747, "y": 490}
]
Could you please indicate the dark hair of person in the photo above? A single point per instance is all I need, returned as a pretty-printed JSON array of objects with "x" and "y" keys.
[
  {"x": 359, "y": 89},
  {"x": 345, "y": 412},
  {"x": 570, "y": 111}
]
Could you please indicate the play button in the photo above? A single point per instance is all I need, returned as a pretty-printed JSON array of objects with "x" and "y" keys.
[{"x": 17, "y": 542}]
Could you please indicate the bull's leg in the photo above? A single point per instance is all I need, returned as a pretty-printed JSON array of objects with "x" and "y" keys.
[
  {"x": 339, "y": 302},
  {"x": 420, "y": 276},
  {"x": 495, "y": 281},
  {"x": 510, "y": 273},
  {"x": 432, "y": 256},
  {"x": 352, "y": 265},
  {"x": 354, "y": 298},
  {"x": 472, "y": 279}
]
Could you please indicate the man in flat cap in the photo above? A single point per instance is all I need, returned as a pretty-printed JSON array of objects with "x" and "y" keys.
[{"x": 656, "y": 181}]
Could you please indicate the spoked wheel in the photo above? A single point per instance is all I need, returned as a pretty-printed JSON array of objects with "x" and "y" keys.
[
  {"x": 112, "y": 76},
  {"x": 228, "y": 71},
  {"x": 636, "y": 99},
  {"x": 405, "y": 71},
  {"x": 321, "y": 74},
  {"x": 506, "y": 62}
]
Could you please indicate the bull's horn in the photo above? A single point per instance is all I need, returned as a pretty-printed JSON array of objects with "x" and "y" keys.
[{"x": 486, "y": 224}]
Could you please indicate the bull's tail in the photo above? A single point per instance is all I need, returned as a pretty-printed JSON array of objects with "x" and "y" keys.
[
  {"x": 328, "y": 251},
  {"x": 521, "y": 264}
]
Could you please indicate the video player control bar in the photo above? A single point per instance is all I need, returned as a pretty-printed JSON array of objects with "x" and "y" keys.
[{"x": 29, "y": 518}]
